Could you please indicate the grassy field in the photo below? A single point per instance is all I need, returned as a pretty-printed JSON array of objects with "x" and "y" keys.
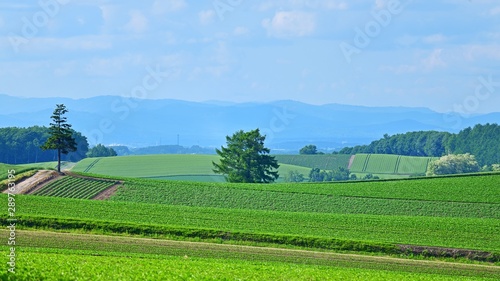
[
  {"x": 322, "y": 161},
  {"x": 165, "y": 166},
  {"x": 389, "y": 164},
  {"x": 96, "y": 257},
  {"x": 460, "y": 215},
  {"x": 455, "y": 212}
]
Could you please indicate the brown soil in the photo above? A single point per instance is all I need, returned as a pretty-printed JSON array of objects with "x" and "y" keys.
[
  {"x": 350, "y": 161},
  {"x": 35, "y": 182},
  {"x": 107, "y": 193},
  {"x": 446, "y": 252}
]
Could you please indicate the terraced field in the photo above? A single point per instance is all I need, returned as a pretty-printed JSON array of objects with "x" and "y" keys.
[
  {"x": 75, "y": 187},
  {"x": 390, "y": 164}
]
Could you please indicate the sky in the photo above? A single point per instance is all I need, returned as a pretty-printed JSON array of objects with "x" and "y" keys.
[{"x": 442, "y": 54}]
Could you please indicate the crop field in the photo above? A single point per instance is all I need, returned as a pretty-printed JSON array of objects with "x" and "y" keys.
[
  {"x": 166, "y": 166},
  {"x": 75, "y": 187},
  {"x": 389, "y": 164},
  {"x": 322, "y": 161},
  {"x": 283, "y": 231},
  {"x": 323, "y": 198},
  {"x": 96, "y": 257},
  {"x": 432, "y": 212}
]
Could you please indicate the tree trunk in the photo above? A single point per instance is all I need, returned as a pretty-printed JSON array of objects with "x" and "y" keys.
[{"x": 59, "y": 160}]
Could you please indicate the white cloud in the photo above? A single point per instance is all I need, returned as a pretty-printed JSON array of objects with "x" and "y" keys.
[
  {"x": 478, "y": 52},
  {"x": 138, "y": 22},
  {"x": 434, "y": 60},
  {"x": 495, "y": 11},
  {"x": 206, "y": 17},
  {"x": 290, "y": 24},
  {"x": 240, "y": 30},
  {"x": 434, "y": 39},
  {"x": 301, "y": 4},
  {"x": 168, "y": 6}
]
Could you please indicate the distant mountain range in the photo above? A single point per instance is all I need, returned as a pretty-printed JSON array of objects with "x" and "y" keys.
[{"x": 289, "y": 125}]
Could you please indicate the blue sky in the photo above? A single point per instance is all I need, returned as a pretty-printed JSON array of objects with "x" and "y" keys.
[{"x": 443, "y": 54}]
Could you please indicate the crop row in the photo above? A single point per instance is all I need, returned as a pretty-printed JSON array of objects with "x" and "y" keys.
[
  {"x": 162, "y": 192},
  {"x": 471, "y": 233},
  {"x": 389, "y": 164},
  {"x": 46, "y": 265},
  {"x": 74, "y": 187}
]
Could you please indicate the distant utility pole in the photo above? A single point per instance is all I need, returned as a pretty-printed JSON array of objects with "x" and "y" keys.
[{"x": 177, "y": 139}]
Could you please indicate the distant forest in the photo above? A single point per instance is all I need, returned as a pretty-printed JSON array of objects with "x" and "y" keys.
[
  {"x": 483, "y": 141},
  {"x": 22, "y": 145}
]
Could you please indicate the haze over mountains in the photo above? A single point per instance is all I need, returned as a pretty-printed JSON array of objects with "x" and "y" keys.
[{"x": 289, "y": 125}]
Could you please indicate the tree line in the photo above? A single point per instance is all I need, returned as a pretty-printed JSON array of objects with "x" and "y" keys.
[
  {"x": 482, "y": 141},
  {"x": 23, "y": 145}
]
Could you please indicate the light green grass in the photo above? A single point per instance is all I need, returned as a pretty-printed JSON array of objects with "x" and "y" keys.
[
  {"x": 453, "y": 232},
  {"x": 321, "y": 161},
  {"x": 108, "y": 266},
  {"x": 389, "y": 164},
  {"x": 164, "y": 166}
]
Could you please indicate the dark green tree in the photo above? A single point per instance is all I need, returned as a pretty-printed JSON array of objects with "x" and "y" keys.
[
  {"x": 245, "y": 159},
  {"x": 61, "y": 135},
  {"x": 101, "y": 151},
  {"x": 309, "y": 149}
]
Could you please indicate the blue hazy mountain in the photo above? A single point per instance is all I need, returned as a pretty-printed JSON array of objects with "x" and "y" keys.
[{"x": 287, "y": 124}]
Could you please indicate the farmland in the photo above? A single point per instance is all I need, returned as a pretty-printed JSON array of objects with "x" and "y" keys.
[
  {"x": 389, "y": 164},
  {"x": 322, "y": 161},
  {"x": 96, "y": 256},
  {"x": 169, "y": 167},
  {"x": 75, "y": 187},
  {"x": 216, "y": 230},
  {"x": 199, "y": 167}
]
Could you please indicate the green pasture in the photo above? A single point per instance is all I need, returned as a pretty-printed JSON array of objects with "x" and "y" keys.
[
  {"x": 165, "y": 166},
  {"x": 321, "y": 161},
  {"x": 389, "y": 164}
]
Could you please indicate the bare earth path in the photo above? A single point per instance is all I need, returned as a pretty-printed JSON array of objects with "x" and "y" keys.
[{"x": 38, "y": 180}]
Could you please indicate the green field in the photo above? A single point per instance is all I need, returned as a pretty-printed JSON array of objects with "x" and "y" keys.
[
  {"x": 283, "y": 231},
  {"x": 95, "y": 257},
  {"x": 321, "y": 161},
  {"x": 75, "y": 187},
  {"x": 165, "y": 166},
  {"x": 389, "y": 164}
]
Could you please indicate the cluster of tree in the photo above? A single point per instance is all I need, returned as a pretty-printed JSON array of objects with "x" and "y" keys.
[
  {"x": 101, "y": 151},
  {"x": 453, "y": 164},
  {"x": 246, "y": 159},
  {"x": 481, "y": 141},
  {"x": 310, "y": 149},
  {"x": 23, "y": 145},
  {"x": 317, "y": 175}
]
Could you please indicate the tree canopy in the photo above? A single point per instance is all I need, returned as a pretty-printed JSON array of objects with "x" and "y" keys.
[
  {"x": 101, "y": 151},
  {"x": 480, "y": 140},
  {"x": 309, "y": 149},
  {"x": 246, "y": 159},
  {"x": 60, "y": 134},
  {"x": 453, "y": 164}
]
